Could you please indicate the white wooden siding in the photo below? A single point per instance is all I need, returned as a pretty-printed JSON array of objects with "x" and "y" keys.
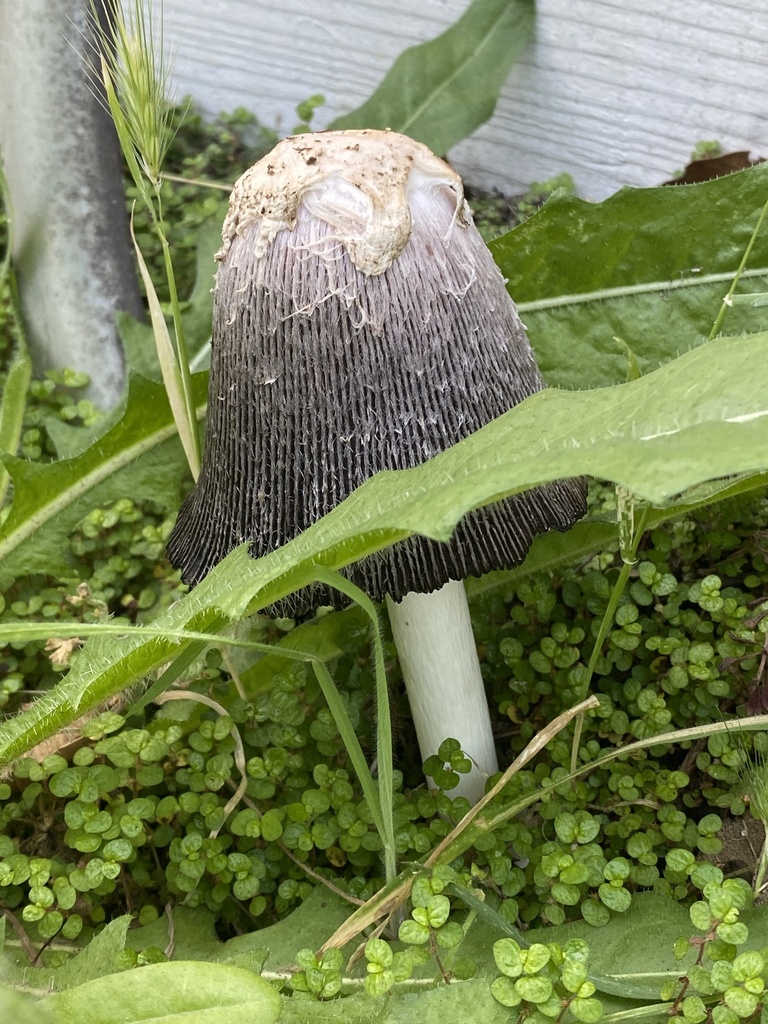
[{"x": 613, "y": 91}]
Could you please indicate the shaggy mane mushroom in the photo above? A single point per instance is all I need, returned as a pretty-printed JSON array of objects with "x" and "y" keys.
[{"x": 360, "y": 324}]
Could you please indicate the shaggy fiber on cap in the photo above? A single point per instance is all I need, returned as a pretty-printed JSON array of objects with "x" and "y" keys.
[{"x": 330, "y": 364}]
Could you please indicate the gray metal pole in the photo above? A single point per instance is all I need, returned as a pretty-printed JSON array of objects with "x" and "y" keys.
[{"x": 72, "y": 249}]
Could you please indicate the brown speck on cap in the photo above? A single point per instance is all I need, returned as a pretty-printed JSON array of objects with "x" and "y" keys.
[{"x": 359, "y": 325}]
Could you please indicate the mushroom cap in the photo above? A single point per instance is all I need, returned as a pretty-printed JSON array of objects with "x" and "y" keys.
[{"x": 360, "y": 324}]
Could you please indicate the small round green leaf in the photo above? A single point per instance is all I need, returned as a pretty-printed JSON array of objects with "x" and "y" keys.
[
  {"x": 377, "y": 951},
  {"x": 450, "y": 935},
  {"x": 615, "y": 897},
  {"x": 694, "y": 1009},
  {"x": 681, "y": 947},
  {"x": 379, "y": 984},
  {"x": 736, "y": 934},
  {"x": 534, "y": 989},
  {"x": 536, "y": 957},
  {"x": 438, "y": 908},
  {"x": 747, "y": 965},
  {"x": 741, "y": 1002},
  {"x": 590, "y": 1011},
  {"x": 413, "y": 933},
  {"x": 566, "y": 895},
  {"x": 506, "y": 953},
  {"x": 701, "y": 918},
  {"x": 574, "y": 974},
  {"x": 504, "y": 991}
]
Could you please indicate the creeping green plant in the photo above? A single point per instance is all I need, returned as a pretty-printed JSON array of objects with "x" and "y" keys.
[{"x": 269, "y": 782}]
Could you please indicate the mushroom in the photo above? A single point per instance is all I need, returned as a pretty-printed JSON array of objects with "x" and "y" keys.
[{"x": 360, "y": 324}]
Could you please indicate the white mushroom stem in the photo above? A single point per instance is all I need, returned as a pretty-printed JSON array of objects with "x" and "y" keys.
[{"x": 438, "y": 658}]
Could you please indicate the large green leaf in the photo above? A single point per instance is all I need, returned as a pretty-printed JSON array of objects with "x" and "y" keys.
[
  {"x": 98, "y": 958},
  {"x": 17, "y": 1008},
  {"x": 170, "y": 993},
  {"x": 137, "y": 454},
  {"x": 139, "y": 457},
  {"x": 441, "y": 91},
  {"x": 701, "y": 417},
  {"x": 583, "y": 274},
  {"x": 195, "y": 937},
  {"x": 649, "y": 266}
]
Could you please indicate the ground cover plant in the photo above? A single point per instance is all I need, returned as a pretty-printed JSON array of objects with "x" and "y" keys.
[{"x": 236, "y": 820}]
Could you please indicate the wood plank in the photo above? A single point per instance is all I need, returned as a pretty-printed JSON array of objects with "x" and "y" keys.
[{"x": 613, "y": 91}]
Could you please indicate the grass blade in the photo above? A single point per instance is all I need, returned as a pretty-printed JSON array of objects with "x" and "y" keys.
[
  {"x": 12, "y": 405},
  {"x": 383, "y": 718},
  {"x": 183, "y": 412},
  {"x": 14, "y": 397}
]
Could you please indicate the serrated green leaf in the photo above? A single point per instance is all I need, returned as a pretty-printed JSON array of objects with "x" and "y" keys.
[
  {"x": 70, "y": 441},
  {"x": 470, "y": 1001},
  {"x": 139, "y": 457},
  {"x": 161, "y": 473},
  {"x": 169, "y": 993},
  {"x": 647, "y": 266},
  {"x": 553, "y": 551},
  {"x": 647, "y": 435},
  {"x": 548, "y": 553},
  {"x": 439, "y": 92},
  {"x": 139, "y": 347}
]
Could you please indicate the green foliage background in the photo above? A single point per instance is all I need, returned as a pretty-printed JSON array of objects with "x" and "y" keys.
[{"x": 619, "y": 299}]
